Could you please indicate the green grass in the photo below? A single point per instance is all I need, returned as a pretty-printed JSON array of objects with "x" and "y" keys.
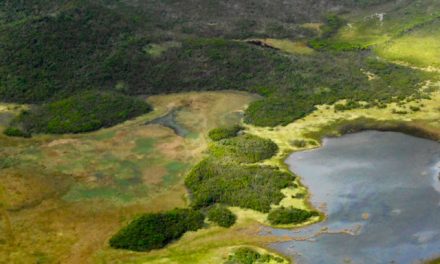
[
  {"x": 435, "y": 261},
  {"x": 144, "y": 145},
  {"x": 82, "y": 193},
  {"x": 408, "y": 32},
  {"x": 340, "y": 127},
  {"x": 174, "y": 171},
  {"x": 418, "y": 47}
]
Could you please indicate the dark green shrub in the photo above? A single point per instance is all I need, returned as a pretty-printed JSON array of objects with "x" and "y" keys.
[
  {"x": 16, "y": 132},
  {"x": 299, "y": 143},
  {"x": 153, "y": 231},
  {"x": 274, "y": 111},
  {"x": 245, "y": 148},
  {"x": 253, "y": 187},
  {"x": 84, "y": 112},
  {"x": 222, "y": 216},
  {"x": 250, "y": 256},
  {"x": 224, "y": 132},
  {"x": 283, "y": 216},
  {"x": 332, "y": 24},
  {"x": 414, "y": 108},
  {"x": 59, "y": 53}
]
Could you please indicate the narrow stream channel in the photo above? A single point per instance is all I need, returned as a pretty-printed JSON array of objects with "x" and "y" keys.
[{"x": 381, "y": 193}]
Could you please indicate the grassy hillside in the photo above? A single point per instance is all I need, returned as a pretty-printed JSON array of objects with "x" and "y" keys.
[
  {"x": 405, "y": 31},
  {"x": 52, "y": 49}
]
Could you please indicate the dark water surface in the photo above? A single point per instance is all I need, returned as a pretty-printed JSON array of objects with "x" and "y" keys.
[
  {"x": 381, "y": 187},
  {"x": 170, "y": 120}
]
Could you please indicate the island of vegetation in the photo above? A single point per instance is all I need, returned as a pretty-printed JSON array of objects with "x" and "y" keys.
[
  {"x": 221, "y": 216},
  {"x": 153, "y": 231},
  {"x": 250, "y": 256},
  {"x": 83, "y": 112}
]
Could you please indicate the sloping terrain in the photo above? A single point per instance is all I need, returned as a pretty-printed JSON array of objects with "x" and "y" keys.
[
  {"x": 139, "y": 48},
  {"x": 307, "y": 69}
]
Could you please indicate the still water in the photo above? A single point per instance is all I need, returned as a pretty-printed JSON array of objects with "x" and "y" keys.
[{"x": 381, "y": 193}]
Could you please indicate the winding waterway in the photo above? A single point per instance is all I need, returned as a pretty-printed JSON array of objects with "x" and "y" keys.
[{"x": 381, "y": 194}]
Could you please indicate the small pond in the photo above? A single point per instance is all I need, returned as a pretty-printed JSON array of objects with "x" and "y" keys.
[{"x": 381, "y": 194}]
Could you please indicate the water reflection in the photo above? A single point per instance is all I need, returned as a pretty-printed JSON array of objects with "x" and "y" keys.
[{"x": 380, "y": 191}]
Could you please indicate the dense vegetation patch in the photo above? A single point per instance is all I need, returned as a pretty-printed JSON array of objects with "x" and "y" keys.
[
  {"x": 57, "y": 55},
  {"x": 249, "y": 256},
  {"x": 254, "y": 187},
  {"x": 16, "y": 132},
  {"x": 275, "y": 110},
  {"x": 222, "y": 216},
  {"x": 245, "y": 148},
  {"x": 220, "y": 133},
  {"x": 86, "y": 111},
  {"x": 153, "y": 231},
  {"x": 324, "y": 42},
  {"x": 51, "y": 49},
  {"x": 326, "y": 84},
  {"x": 284, "y": 216}
]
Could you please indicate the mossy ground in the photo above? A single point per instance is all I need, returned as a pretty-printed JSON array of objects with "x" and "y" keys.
[
  {"x": 213, "y": 244},
  {"x": 66, "y": 195},
  {"x": 288, "y": 46},
  {"x": 67, "y": 235}
]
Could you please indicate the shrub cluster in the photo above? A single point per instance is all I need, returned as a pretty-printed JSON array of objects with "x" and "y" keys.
[
  {"x": 92, "y": 45},
  {"x": 332, "y": 24},
  {"x": 84, "y": 112},
  {"x": 245, "y": 148},
  {"x": 348, "y": 106},
  {"x": 16, "y": 132},
  {"x": 153, "y": 231},
  {"x": 254, "y": 187},
  {"x": 283, "y": 216},
  {"x": 217, "y": 134},
  {"x": 249, "y": 256},
  {"x": 222, "y": 216},
  {"x": 393, "y": 84}
]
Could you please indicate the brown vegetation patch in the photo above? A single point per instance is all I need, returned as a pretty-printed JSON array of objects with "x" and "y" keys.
[{"x": 153, "y": 175}]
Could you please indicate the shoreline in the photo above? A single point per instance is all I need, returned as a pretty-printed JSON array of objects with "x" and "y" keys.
[{"x": 335, "y": 125}]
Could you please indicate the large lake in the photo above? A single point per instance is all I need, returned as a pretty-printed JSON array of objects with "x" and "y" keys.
[{"x": 381, "y": 193}]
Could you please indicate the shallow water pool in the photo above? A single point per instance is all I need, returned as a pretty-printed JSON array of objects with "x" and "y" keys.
[{"x": 381, "y": 193}]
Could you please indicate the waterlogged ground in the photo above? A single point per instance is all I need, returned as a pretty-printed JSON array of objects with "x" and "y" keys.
[
  {"x": 66, "y": 195},
  {"x": 380, "y": 191}
]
